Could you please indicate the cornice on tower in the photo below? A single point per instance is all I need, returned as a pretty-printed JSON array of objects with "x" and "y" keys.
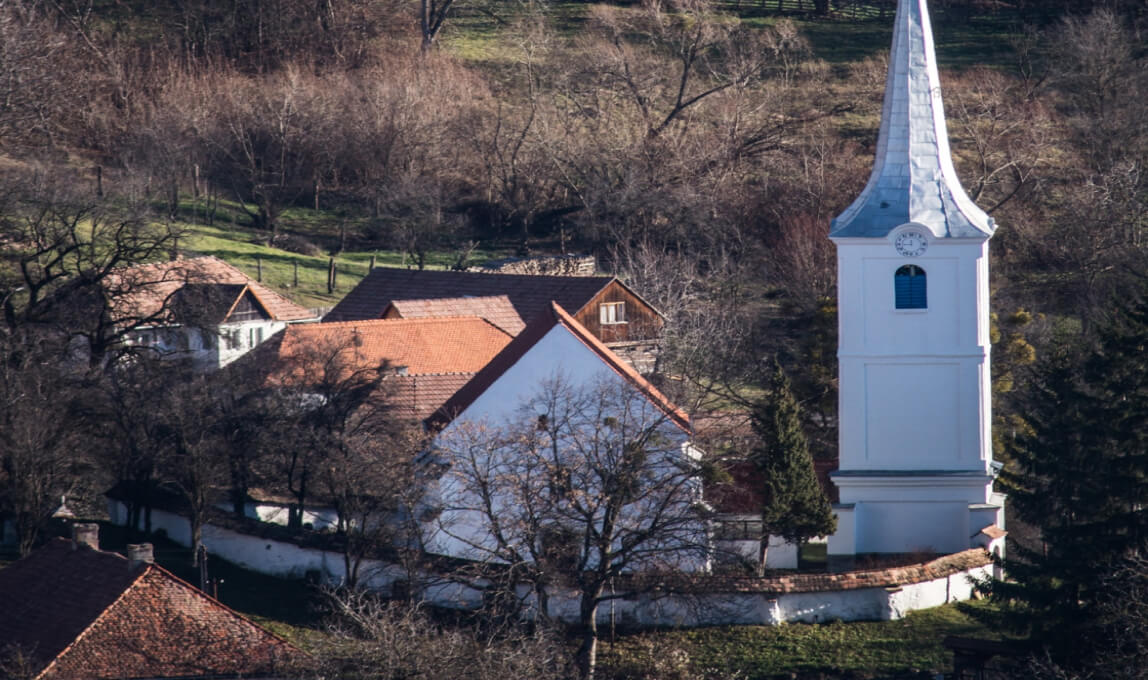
[{"x": 913, "y": 177}]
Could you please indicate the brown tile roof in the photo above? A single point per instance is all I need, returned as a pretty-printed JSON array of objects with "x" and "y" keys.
[
  {"x": 146, "y": 289},
  {"x": 422, "y": 346},
  {"x": 530, "y": 295},
  {"x": 496, "y": 309},
  {"x": 417, "y": 397},
  {"x": 918, "y": 571},
  {"x": 524, "y": 341},
  {"x": 83, "y": 613}
]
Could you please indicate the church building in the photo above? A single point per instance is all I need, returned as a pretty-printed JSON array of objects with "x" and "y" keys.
[{"x": 916, "y": 469}]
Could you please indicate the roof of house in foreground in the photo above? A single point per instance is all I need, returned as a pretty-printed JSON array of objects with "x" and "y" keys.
[
  {"x": 554, "y": 316},
  {"x": 84, "y": 613},
  {"x": 148, "y": 291}
]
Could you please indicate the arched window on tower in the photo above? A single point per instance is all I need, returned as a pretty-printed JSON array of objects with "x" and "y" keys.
[{"x": 909, "y": 288}]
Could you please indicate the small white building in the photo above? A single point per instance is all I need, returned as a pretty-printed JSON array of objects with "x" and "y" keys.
[
  {"x": 200, "y": 309},
  {"x": 916, "y": 469}
]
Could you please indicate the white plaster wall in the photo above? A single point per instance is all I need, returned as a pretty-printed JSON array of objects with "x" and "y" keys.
[
  {"x": 869, "y": 604},
  {"x": 558, "y": 357},
  {"x": 320, "y": 519},
  {"x": 227, "y": 354},
  {"x": 913, "y": 527},
  {"x": 913, "y": 383}
]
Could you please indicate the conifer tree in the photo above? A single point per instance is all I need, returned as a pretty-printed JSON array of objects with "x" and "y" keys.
[
  {"x": 1080, "y": 474},
  {"x": 793, "y": 504}
]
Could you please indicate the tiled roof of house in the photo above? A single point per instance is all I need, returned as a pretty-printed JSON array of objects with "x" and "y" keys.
[
  {"x": 84, "y": 613},
  {"x": 420, "y": 346},
  {"x": 417, "y": 397},
  {"x": 537, "y": 329},
  {"x": 497, "y": 309},
  {"x": 530, "y": 295},
  {"x": 144, "y": 291}
]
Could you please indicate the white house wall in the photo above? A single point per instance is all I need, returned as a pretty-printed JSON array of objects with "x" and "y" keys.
[{"x": 557, "y": 356}]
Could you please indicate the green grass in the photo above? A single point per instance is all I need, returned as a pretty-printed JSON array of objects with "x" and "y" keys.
[
  {"x": 861, "y": 649},
  {"x": 238, "y": 247}
]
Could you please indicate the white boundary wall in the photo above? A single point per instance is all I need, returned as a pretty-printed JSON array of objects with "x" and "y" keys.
[{"x": 287, "y": 560}]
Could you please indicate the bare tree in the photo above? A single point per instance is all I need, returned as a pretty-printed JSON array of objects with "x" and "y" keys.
[
  {"x": 588, "y": 484},
  {"x": 371, "y": 639}
]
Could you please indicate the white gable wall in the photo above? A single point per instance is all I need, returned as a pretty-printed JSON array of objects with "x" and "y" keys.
[{"x": 558, "y": 355}]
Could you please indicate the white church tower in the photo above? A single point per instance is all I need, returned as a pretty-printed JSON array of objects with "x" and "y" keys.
[{"x": 916, "y": 466}]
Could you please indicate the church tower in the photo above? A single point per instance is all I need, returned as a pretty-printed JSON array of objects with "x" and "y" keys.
[{"x": 916, "y": 468}]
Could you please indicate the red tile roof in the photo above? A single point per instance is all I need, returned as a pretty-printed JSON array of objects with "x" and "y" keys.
[
  {"x": 83, "y": 613},
  {"x": 524, "y": 341},
  {"x": 496, "y": 309},
  {"x": 417, "y": 397},
  {"x": 422, "y": 346},
  {"x": 146, "y": 290},
  {"x": 530, "y": 295}
]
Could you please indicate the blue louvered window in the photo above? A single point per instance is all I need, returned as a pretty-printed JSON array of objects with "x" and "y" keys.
[{"x": 909, "y": 287}]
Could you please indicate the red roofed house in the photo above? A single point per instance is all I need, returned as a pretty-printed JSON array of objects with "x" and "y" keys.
[
  {"x": 556, "y": 370},
  {"x": 74, "y": 612},
  {"x": 431, "y": 358},
  {"x": 606, "y": 307},
  {"x": 201, "y": 309}
]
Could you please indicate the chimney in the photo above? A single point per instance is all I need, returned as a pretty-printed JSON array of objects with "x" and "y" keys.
[
  {"x": 87, "y": 535},
  {"x": 140, "y": 553}
]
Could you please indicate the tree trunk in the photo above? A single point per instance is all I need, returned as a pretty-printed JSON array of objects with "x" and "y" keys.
[
  {"x": 762, "y": 553},
  {"x": 588, "y": 621},
  {"x": 196, "y": 537}
]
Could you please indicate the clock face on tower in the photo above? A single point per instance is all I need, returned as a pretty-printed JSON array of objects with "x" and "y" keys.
[{"x": 911, "y": 243}]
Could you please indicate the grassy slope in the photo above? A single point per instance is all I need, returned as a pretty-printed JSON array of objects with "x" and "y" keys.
[{"x": 861, "y": 649}]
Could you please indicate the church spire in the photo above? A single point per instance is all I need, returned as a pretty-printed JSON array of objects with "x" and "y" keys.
[{"x": 913, "y": 177}]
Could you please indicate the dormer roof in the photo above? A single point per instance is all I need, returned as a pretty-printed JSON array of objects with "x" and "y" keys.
[{"x": 913, "y": 177}]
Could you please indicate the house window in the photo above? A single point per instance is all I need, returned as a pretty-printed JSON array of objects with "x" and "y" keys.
[
  {"x": 909, "y": 288},
  {"x": 254, "y": 336},
  {"x": 612, "y": 312}
]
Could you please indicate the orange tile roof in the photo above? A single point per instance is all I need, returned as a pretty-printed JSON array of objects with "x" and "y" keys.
[
  {"x": 497, "y": 309},
  {"x": 83, "y": 613},
  {"x": 144, "y": 291},
  {"x": 416, "y": 397},
  {"x": 421, "y": 346},
  {"x": 535, "y": 331}
]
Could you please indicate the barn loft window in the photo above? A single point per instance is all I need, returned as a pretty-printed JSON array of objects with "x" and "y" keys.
[
  {"x": 909, "y": 288},
  {"x": 612, "y": 312}
]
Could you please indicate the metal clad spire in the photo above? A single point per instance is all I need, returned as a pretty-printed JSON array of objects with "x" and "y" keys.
[{"x": 913, "y": 178}]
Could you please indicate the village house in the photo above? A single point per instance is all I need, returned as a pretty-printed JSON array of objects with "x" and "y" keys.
[
  {"x": 75, "y": 612},
  {"x": 608, "y": 308},
  {"x": 201, "y": 309},
  {"x": 555, "y": 376}
]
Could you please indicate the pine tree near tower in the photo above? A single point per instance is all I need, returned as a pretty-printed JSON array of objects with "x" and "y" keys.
[{"x": 793, "y": 504}]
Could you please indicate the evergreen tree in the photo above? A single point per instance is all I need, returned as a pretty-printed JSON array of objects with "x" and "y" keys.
[
  {"x": 793, "y": 504},
  {"x": 1079, "y": 473}
]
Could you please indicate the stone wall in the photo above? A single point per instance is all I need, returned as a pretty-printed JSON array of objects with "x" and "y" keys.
[{"x": 686, "y": 600}]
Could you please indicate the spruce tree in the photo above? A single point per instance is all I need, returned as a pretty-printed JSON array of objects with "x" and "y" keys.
[
  {"x": 793, "y": 503},
  {"x": 1079, "y": 473}
]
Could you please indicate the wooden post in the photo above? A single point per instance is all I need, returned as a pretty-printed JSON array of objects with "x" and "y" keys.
[
  {"x": 259, "y": 269},
  {"x": 316, "y": 194},
  {"x": 331, "y": 276},
  {"x": 372, "y": 266},
  {"x": 296, "y": 268}
]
